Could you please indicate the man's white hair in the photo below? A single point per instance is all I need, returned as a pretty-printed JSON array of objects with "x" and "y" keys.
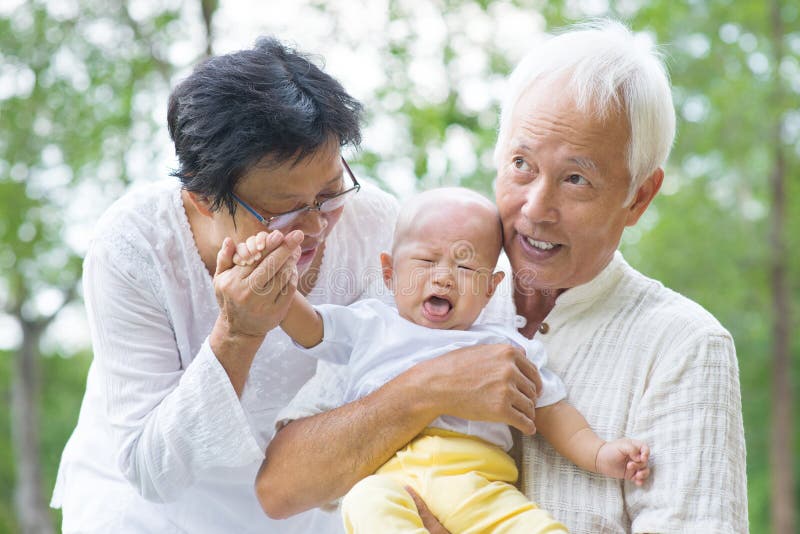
[{"x": 607, "y": 68}]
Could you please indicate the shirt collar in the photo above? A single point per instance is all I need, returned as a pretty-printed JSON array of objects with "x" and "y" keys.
[{"x": 593, "y": 289}]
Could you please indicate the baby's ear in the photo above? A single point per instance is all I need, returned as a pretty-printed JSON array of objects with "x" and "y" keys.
[
  {"x": 495, "y": 281},
  {"x": 386, "y": 268}
]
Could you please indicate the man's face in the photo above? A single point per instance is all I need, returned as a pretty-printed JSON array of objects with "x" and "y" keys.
[{"x": 561, "y": 184}]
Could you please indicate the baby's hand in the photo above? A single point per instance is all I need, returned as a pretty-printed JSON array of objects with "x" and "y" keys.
[
  {"x": 624, "y": 458},
  {"x": 249, "y": 252}
]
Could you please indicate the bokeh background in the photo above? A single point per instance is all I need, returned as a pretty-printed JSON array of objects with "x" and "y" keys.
[{"x": 83, "y": 90}]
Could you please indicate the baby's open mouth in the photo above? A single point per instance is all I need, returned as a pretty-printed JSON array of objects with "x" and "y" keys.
[{"x": 436, "y": 307}]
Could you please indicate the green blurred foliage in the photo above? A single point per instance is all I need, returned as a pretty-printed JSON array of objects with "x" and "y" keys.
[
  {"x": 64, "y": 380},
  {"x": 70, "y": 74},
  {"x": 705, "y": 236},
  {"x": 75, "y": 115}
]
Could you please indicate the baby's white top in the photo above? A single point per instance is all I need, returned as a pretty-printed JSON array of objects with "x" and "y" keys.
[{"x": 378, "y": 344}]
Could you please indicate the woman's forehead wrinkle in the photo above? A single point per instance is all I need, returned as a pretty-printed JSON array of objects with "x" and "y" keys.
[
  {"x": 289, "y": 189},
  {"x": 291, "y": 195}
]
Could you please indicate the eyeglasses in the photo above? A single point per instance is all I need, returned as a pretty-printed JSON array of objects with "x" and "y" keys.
[{"x": 285, "y": 220}]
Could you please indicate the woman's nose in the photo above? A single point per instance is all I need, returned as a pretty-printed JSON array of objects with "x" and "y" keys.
[
  {"x": 541, "y": 202},
  {"x": 312, "y": 223}
]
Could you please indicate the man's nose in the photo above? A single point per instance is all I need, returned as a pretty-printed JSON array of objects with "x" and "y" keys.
[{"x": 541, "y": 201}]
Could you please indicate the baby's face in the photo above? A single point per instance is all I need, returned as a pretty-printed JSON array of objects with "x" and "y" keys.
[{"x": 442, "y": 269}]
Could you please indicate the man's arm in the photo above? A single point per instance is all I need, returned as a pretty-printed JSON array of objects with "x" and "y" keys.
[
  {"x": 315, "y": 460},
  {"x": 691, "y": 416}
]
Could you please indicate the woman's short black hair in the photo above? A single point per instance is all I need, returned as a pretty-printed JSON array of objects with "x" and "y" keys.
[{"x": 235, "y": 109}]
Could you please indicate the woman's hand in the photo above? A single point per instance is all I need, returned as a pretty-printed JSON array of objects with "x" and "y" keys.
[
  {"x": 481, "y": 383},
  {"x": 253, "y": 299}
]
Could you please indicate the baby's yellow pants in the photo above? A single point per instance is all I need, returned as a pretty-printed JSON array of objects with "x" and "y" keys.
[{"x": 466, "y": 482}]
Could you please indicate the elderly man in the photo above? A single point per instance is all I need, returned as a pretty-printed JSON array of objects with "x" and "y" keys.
[{"x": 585, "y": 129}]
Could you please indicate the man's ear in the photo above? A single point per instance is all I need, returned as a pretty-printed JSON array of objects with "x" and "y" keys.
[
  {"x": 495, "y": 281},
  {"x": 386, "y": 268},
  {"x": 201, "y": 204},
  {"x": 644, "y": 195}
]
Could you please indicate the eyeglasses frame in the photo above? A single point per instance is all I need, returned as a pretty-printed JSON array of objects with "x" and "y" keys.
[{"x": 316, "y": 206}]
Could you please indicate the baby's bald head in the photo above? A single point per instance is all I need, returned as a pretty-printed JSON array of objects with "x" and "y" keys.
[
  {"x": 442, "y": 266},
  {"x": 453, "y": 210}
]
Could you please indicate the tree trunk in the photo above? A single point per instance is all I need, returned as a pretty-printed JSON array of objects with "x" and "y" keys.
[
  {"x": 32, "y": 512},
  {"x": 209, "y": 7},
  {"x": 782, "y": 459}
]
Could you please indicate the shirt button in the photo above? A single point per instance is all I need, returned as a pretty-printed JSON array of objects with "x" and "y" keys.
[{"x": 544, "y": 328}]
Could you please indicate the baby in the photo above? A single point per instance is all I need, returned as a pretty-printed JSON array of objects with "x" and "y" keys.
[{"x": 441, "y": 274}]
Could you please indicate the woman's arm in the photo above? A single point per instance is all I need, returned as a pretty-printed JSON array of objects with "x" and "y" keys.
[
  {"x": 315, "y": 460},
  {"x": 252, "y": 299},
  {"x": 168, "y": 420}
]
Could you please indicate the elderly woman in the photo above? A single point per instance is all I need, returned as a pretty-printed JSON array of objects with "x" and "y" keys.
[
  {"x": 584, "y": 132},
  {"x": 188, "y": 370}
]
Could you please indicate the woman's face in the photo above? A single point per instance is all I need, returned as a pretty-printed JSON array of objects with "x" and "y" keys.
[{"x": 272, "y": 190}]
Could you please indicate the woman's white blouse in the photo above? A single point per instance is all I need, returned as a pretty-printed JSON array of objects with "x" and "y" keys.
[{"x": 163, "y": 443}]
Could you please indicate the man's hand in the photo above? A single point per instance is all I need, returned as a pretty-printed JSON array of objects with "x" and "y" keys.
[{"x": 481, "y": 383}]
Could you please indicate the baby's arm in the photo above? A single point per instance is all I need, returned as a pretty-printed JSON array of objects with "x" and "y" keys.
[
  {"x": 568, "y": 432},
  {"x": 302, "y": 323}
]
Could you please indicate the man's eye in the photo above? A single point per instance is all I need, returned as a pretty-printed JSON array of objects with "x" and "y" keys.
[
  {"x": 520, "y": 164},
  {"x": 466, "y": 267},
  {"x": 577, "y": 179}
]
